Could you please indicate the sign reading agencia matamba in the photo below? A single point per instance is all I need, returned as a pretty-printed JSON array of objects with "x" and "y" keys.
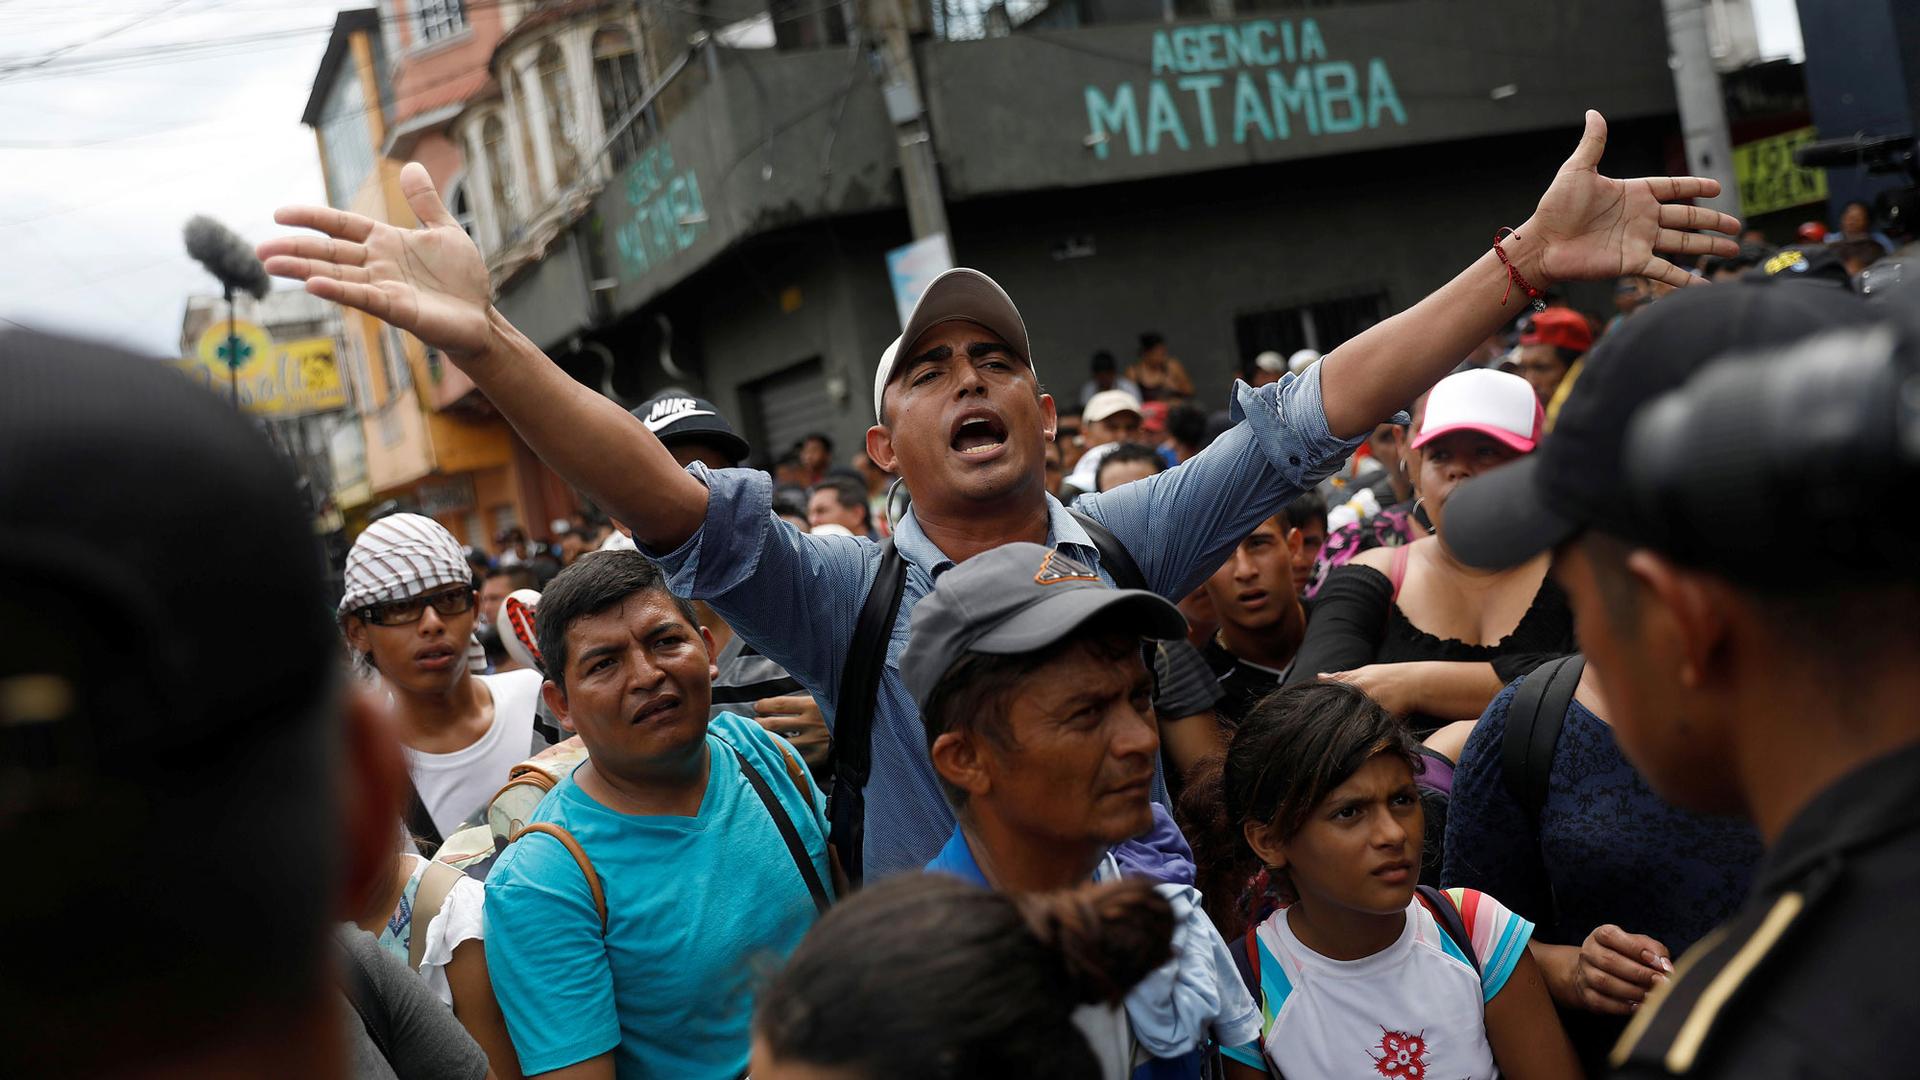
[{"x": 1215, "y": 84}]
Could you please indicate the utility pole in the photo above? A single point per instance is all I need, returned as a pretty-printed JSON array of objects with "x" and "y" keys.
[
  {"x": 900, "y": 85},
  {"x": 1703, "y": 110}
]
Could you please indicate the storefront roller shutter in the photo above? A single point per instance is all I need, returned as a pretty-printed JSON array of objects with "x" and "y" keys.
[{"x": 786, "y": 407}]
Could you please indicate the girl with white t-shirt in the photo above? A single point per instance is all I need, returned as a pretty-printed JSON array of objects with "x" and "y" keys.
[
  {"x": 429, "y": 916},
  {"x": 1359, "y": 975}
]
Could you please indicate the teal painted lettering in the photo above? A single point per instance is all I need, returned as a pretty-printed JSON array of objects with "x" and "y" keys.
[
  {"x": 1163, "y": 61},
  {"x": 1162, "y": 118},
  {"x": 1381, "y": 96},
  {"x": 1263, "y": 55},
  {"x": 682, "y": 209},
  {"x": 1212, "y": 48},
  {"x": 665, "y": 150},
  {"x": 1186, "y": 48},
  {"x": 1337, "y": 87},
  {"x": 1233, "y": 41},
  {"x": 1312, "y": 45},
  {"x": 1107, "y": 118},
  {"x": 1249, "y": 109},
  {"x": 699, "y": 208},
  {"x": 1296, "y": 96},
  {"x": 1286, "y": 43},
  {"x": 1202, "y": 88}
]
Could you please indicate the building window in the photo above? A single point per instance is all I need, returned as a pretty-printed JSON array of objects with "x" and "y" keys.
[
  {"x": 616, "y": 78},
  {"x": 440, "y": 19},
  {"x": 345, "y": 139},
  {"x": 528, "y": 126},
  {"x": 563, "y": 126},
  {"x": 500, "y": 193},
  {"x": 1322, "y": 326},
  {"x": 462, "y": 206}
]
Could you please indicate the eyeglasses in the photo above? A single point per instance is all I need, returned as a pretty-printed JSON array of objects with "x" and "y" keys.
[{"x": 407, "y": 612}]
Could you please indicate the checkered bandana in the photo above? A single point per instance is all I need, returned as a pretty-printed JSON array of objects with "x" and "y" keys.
[{"x": 399, "y": 556}]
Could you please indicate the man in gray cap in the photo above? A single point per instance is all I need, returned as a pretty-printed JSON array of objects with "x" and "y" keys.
[
  {"x": 1037, "y": 706},
  {"x": 962, "y": 417}
]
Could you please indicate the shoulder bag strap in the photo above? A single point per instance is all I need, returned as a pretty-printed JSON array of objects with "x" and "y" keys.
[
  {"x": 1534, "y": 718},
  {"x": 1113, "y": 554},
  {"x": 420, "y": 821},
  {"x": 436, "y": 882},
  {"x": 1440, "y": 905},
  {"x": 853, "y": 712},
  {"x": 579, "y": 856},
  {"x": 784, "y": 822}
]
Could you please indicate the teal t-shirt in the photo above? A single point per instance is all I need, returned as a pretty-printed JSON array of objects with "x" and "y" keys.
[{"x": 698, "y": 909}]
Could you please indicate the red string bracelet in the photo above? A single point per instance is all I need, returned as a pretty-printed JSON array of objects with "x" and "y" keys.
[{"x": 1513, "y": 275}]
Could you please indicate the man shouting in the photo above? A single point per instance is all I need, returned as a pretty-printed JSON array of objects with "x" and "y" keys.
[{"x": 962, "y": 416}]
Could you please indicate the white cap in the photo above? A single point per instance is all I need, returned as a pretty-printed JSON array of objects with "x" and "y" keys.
[
  {"x": 959, "y": 293},
  {"x": 830, "y": 529},
  {"x": 516, "y": 621},
  {"x": 1106, "y": 403},
  {"x": 1494, "y": 403},
  {"x": 1302, "y": 360},
  {"x": 1271, "y": 362}
]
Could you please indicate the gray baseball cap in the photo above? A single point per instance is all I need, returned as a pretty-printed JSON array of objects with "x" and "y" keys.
[{"x": 1015, "y": 599}]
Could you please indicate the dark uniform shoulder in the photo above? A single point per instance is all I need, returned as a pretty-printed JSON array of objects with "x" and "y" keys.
[{"x": 1813, "y": 977}]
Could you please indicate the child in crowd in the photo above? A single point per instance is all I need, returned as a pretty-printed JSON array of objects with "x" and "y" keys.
[
  {"x": 1358, "y": 964},
  {"x": 866, "y": 997}
]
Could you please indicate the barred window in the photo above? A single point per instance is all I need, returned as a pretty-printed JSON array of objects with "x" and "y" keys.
[
  {"x": 616, "y": 77},
  {"x": 440, "y": 19}
]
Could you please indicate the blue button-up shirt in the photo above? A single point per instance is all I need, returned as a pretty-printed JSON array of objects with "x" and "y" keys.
[{"x": 796, "y": 597}]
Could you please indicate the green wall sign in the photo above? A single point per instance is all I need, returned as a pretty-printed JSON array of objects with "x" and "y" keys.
[{"x": 1262, "y": 81}]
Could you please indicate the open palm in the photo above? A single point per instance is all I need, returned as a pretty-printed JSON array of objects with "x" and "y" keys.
[
  {"x": 430, "y": 281},
  {"x": 1593, "y": 227}
]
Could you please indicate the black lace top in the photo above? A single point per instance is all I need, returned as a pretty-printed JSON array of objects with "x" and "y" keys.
[{"x": 1355, "y": 622}]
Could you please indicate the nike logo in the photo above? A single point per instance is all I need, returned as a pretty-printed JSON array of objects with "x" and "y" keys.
[{"x": 671, "y": 410}]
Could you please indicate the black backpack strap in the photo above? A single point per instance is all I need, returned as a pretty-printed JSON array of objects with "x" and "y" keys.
[
  {"x": 1534, "y": 719},
  {"x": 1448, "y": 916},
  {"x": 1113, "y": 554},
  {"x": 853, "y": 712},
  {"x": 420, "y": 822},
  {"x": 784, "y": 822}
]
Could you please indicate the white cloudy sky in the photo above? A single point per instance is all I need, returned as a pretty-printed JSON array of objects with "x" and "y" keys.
[{"x": 120, "y": 119}]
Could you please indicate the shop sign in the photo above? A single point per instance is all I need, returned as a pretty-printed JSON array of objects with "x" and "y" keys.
[{"x": 1768, "y": 178}]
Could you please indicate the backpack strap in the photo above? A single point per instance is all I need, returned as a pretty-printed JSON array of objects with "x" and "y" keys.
[
  {"x": 1397, "y": 568},
  {"x": 1534, "y": 719},
  {"x": 784, "y": 822},
  {"x": 1114, "y": 556},
  {"x": 853, "y": 712},
  {"x": 420, "y": 822},
  {"x": 579, "y": 856},
  {"x": 1440, "y": 906},
  {"x": 436, "y": 883}
]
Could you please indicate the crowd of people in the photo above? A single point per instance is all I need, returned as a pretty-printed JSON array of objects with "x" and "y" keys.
[{"x": 1454, "y": 704}]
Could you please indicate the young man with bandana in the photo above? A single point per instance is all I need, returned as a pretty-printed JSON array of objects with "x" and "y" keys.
[
  {"x": 408, "y": 611},
  {"x": 962, "y": 417}
]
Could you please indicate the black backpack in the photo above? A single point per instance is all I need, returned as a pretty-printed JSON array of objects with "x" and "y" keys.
[
  {"x": 1534, "y": 720},
  {"x": 860, "y": 687}
]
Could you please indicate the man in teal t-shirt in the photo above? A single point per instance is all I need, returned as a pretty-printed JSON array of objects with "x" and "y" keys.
[{"x": 701, "y": 889}]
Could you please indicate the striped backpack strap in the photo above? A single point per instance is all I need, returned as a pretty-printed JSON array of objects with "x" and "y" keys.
[
  {"x": 1440, "y": 906},
  {"x": 579, "y": 856}
]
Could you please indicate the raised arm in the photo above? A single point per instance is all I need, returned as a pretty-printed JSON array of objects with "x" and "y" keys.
[
  {"x": 432, "y": 283},
  {"x": 1587, "y": 227}
]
